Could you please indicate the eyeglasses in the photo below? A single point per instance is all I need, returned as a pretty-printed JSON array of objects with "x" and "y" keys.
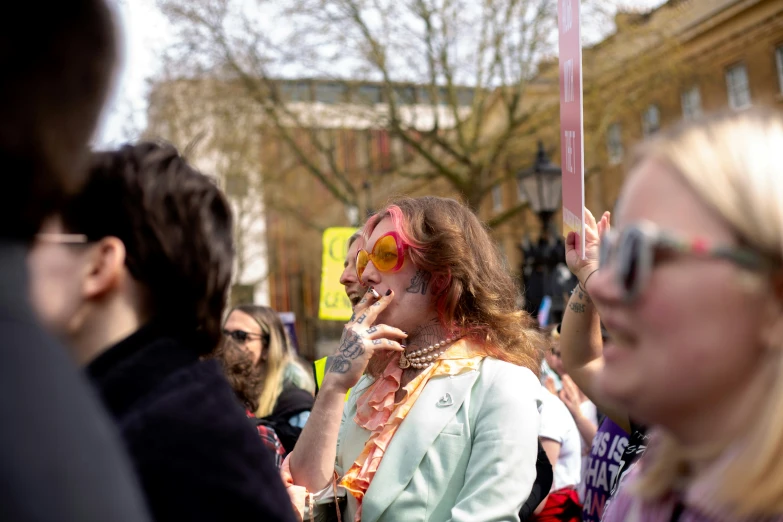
[
  {"x": 388, "y": 254},
  {"x": 636, "y": 250},
  {"x": 240, "y": 336}
]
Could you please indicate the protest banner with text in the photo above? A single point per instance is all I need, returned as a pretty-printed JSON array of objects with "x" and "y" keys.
[{"x": 334, "y": 304}]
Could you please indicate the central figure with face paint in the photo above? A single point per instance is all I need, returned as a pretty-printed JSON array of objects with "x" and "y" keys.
[{"x": 442, "y": 421}]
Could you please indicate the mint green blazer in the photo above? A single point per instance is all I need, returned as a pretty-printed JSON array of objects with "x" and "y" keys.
[{"x": 465, "y": 452}]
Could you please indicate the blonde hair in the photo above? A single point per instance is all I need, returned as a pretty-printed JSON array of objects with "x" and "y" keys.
[
  {"x": 732, "y": 163},
  {"x": 280, "y": 356}
]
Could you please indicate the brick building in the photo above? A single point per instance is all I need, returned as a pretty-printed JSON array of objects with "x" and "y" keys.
[{"x": 685, "y": 58}]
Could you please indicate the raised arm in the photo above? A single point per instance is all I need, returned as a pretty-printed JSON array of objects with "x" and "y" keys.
[
  {"x": 312, "y": 461},
  {"x": 580, "y": 334}
]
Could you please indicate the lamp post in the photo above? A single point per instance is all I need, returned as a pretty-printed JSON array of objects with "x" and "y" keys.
[{"x": 541, "y": 184}]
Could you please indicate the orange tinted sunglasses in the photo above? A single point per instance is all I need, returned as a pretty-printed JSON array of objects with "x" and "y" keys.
[{"x": 387, "y": 255}]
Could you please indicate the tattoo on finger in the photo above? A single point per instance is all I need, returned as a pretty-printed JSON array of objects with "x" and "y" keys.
[
  {"x": 361, "y": 319},
  {"x": 372, "y": 329},
  {"x": 377, "y": 341}
]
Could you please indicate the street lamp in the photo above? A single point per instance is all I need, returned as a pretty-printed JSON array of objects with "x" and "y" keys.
[{"x": 542, "y": 186}]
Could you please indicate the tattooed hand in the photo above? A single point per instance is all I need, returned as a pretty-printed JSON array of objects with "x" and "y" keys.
[{"x": 361, "y": 338}]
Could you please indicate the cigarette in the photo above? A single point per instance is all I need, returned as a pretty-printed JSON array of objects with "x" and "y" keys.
[{"x": 375, "y": 294}]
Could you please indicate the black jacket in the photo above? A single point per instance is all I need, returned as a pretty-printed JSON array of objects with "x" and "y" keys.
[
  {"x": 197, "y": 456},
  {"x": 60, "y": 457},
  {"x": 291, "y": 402}
]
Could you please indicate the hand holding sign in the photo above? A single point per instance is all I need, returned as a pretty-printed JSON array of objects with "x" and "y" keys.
[{"x": 583, "y": 263}]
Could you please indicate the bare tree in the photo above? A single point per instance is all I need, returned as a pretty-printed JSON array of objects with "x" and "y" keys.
[{"x": 453, "y": 77}]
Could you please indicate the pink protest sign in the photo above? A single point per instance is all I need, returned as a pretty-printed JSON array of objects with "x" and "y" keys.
[{"x": 572, "y": 159}]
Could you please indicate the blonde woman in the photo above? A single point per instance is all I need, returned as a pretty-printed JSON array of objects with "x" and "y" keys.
[
  {"x": 280, "y": 388},
  {"x": 690, "y": 288}
]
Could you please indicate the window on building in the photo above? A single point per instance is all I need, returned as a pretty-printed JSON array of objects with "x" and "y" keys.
[
  {"x": 330, "y": 93},
  {"x": 691, "y": 103},
  {"x": 362, "y": 149},
  {"x": 236, "y": 185},
  {"x": 497, "y": 198},
  {"x": 405, "y": 95},
  {"x": 614, "y": 143},
  {"x": 779, "y": 61},
  {"x": 521, "y": 192},
  {"x": 242, "y": 294},
  {"x": 503, "y": 252},
  {"x": 465, "y": 97},
  {"x": 295, "y": 91},
  {"x": 423, "y": 95},
  {"x": 370, "y": 94},
  {"x": 651, "y": 120},
  {"x": 738, "y": 86}
]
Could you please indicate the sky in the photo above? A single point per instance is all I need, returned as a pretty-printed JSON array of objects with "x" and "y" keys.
[{"x": 144, "y": 34}]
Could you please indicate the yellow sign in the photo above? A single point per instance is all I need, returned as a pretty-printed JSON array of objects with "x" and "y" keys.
[{"x": 334, "y": 305}]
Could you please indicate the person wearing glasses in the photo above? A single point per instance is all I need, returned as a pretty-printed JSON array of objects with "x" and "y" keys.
[
  {"x": 60, "y": 459},
  {"x": 442, "y": 421},
  {"x": 246, "y": 381},
  {"x": 689, "y": 284},
  {"x": 134, "y": 274},
  {"x": 278, "y": 389}
]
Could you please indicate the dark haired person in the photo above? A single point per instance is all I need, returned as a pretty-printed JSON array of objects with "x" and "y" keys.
[
  {"x": 59, "y": 458},
  {"x": 134, "y": 273}
]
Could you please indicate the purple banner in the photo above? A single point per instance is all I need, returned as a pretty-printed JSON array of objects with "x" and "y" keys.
[{"x": 601, "y": 468}]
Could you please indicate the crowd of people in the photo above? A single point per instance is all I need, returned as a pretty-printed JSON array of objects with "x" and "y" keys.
[{"x": 130, "y": 393}]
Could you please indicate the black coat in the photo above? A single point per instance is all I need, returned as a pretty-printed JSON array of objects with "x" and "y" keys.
[
  {"x": 60, "y": 457},
  {"x": 197, "y": 455},
  {"x": 291, "y": 402}
]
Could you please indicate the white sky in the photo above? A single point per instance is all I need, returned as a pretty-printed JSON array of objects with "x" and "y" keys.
[{"x": 145, "y": 33}]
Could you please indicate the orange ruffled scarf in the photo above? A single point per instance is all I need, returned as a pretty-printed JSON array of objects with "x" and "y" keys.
[{"x": 377, "y": 412}]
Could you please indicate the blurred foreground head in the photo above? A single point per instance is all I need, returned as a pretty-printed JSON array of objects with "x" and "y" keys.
[
  {"x": 691, "y": 291},
  {"x": 57, "y": 68},
  {"x": 148, "y": 238}
]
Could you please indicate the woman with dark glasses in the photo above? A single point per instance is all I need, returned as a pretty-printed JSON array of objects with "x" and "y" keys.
[
  {"x": 690, "y": 287},
  {"x": 262, "y": 367},
  {"x": 442, "y": 421}
]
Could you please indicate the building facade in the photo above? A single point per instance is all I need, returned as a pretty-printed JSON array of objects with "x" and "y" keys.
[{"x": 682, "y": 60}]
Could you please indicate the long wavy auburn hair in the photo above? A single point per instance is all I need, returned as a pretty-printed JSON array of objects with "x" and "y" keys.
[{"x": 473, "y": 292}]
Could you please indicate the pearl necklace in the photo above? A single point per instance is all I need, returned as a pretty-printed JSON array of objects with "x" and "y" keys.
[{"x": 424, "y": 358}]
